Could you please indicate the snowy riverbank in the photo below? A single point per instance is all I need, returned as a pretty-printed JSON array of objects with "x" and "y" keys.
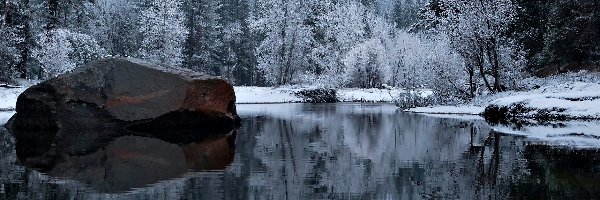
[
  {"x": 559, "y": 111},
  {"x": 572, "y": 100}
]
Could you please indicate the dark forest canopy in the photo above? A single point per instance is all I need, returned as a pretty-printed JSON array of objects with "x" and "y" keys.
[{"x": 334, "y": 43}]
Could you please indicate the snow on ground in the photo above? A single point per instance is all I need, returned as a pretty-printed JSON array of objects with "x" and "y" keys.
[
  {"x": 367, "y": 95},
  {"x": 375, "y": 94},
  {"x": 8, "y": 98},
  {"x": 247, "y": 95},
  {"x": 463, "y": 110},
  {"x": 572, "y": 134},
  {"x": 466, "y": 117},
  {"x": 252, "y": 95},
  {"x": 255, "y": 95},
  {"x": 5, "y": 116},
  {"x": 8, "y": 95}
]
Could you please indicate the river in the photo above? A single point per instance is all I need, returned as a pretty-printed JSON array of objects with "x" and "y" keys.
[{"x": 316, "y": 151}]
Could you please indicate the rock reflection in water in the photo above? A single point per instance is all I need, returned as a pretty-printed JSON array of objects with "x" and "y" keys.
[{"x": 128, "y": 162}]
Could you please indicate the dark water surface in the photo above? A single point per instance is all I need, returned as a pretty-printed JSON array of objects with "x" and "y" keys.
[{"x": 315, "y": 151}]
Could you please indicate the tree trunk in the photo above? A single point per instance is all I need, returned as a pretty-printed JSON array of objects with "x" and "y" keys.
[
  {"x": 288, "y": 66},
  {"x": 471, "y": 72},
  {"x": 25, "y": 52},
  {"x": 479, "y": 60},
  {"x": 492, "y": 53},
  {"x": 281, "y": 78}
]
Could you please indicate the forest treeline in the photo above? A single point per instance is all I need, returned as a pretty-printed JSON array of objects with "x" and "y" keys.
[{"x": 459, "y": 48}]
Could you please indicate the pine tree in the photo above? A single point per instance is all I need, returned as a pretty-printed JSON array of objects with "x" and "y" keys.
[
  {"x": 239, "y": 63},
  {"x": 17, "y": 19},
  {"x": 9, "y": 55},
  {"x": 203, "y": 47}
]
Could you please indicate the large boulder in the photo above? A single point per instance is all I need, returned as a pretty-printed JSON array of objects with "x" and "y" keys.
[{"x": 107, "y": 97}]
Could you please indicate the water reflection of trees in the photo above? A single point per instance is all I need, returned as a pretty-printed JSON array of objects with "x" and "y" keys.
[
  {"x": 375, "y": 155},
  {"x": 372, "y": 152}
]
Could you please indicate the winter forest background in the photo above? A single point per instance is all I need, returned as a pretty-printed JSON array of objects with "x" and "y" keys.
[{"x": 458, "y": 48}]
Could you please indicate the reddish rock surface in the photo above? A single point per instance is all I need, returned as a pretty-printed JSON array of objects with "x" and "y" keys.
[{"x": 121, "y": 90}]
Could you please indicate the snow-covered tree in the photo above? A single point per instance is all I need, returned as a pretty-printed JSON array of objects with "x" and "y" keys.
[
  {"x": 115, "y": 26},
  {"x": 404, "y": 12},
  {"x": 282, "y": 53},
  {"x": 344, "y": 27},
  {"x": 61, "y": 50},
  {"x": 365, "y": 65},
  {"x": 477, "y": 30},
  {"x": 163, "y": 31}
]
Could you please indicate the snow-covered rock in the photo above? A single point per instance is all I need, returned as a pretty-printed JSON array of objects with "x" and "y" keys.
[{"x": 575, "y": 100}]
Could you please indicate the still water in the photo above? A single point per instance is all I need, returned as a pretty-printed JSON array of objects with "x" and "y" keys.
[{"x": 314, "y": 151}]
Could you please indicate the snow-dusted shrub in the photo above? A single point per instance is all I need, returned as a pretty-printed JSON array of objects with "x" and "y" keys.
[
  {"x": 85, "y": 49},
  {"x": 61, "y": 50},
  {"x": 366, "y": 65},
  {"x": 318, "y": 95},
  {"x": 413, "y": 99},
  {"x": 513, "y": 62},
  {"x": 430, "y": 62}
]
